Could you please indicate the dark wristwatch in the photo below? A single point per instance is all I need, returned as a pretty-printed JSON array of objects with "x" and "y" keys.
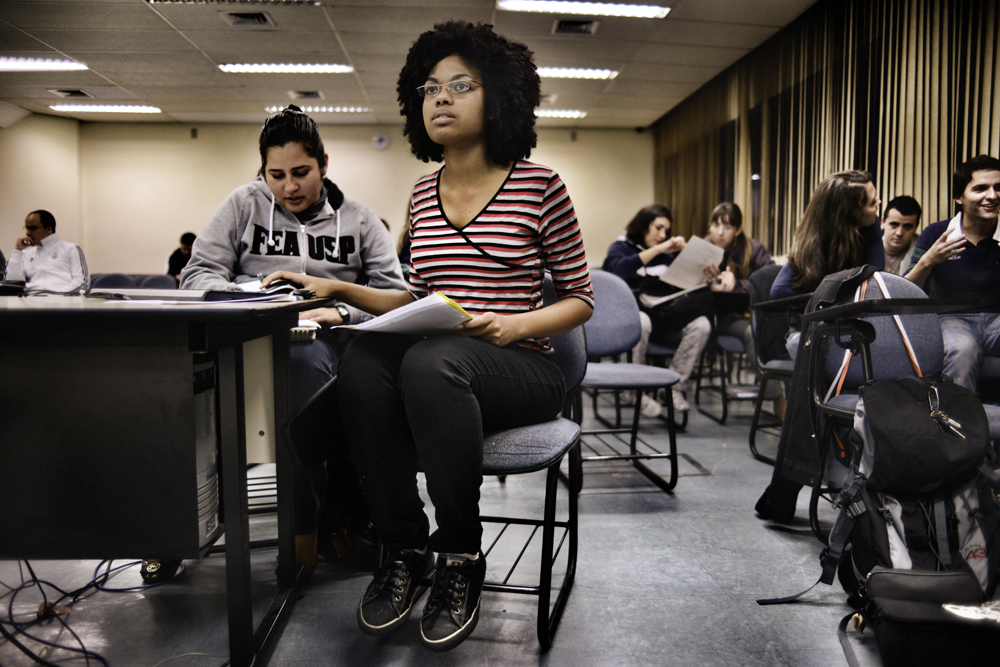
[{"x": 345, "y": 315}]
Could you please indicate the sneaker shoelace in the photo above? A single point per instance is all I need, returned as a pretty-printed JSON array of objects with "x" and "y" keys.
[
  {"x": 449, "y": 586},
  {"x": 394, "y": 574}
]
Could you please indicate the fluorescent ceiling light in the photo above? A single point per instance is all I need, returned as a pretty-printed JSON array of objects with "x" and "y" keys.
[
  {"x": 560, "y": 113},
  {"x": 576, "y": 73},
  {"x": 235, "y": 2},
  {"x": 104, "y": 108},
  {"x": 38, "y": 65},
  {"x": 585, "y": 8},
  {"x": 324, "y": 109},
  {"x": 261, "y": 68}
]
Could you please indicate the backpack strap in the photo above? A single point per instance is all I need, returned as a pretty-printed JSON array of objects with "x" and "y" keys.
[
  {"x": 845, "y": 642},
  {"x": 990, "y": 473},
  {"x": 941, "y": 532},
  {"x": 850, "y": 509},
  {"x": 839, "y": 534}
]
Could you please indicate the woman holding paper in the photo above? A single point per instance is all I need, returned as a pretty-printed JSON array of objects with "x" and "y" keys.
[
  {"x": 640, "y": 258},
  {"x": 744, "y": 255},
  {"x": 484, "y": 229}
]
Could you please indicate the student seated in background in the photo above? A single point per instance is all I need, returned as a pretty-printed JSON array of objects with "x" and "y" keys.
[
  {"x": 744, "y": 255},
  {"x": 838, "y": 231},
  {"x": 45, "y": 261},
  {"x": 291, "y": 217},
  {"x": 179, "y": 259},
  {"x": 899, "y": 233},
  {"x": 961, "y": 258},
  {"x": 484, "y": 229},
  {"x": 640, "y": 258}
]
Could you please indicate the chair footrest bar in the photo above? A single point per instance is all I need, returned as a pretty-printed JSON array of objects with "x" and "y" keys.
[
  {"x": 510, "y": 588},
  {"x": 626, "y": 457},
  {"x": 515, "y": 521}
]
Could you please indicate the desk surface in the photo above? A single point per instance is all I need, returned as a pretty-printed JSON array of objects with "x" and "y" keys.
[
  {"x": 16, "y": 306},
  {"x": 908, "y": 306}
]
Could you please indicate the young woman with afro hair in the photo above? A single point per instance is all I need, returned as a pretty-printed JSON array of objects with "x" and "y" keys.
[{"x": 484, "y": 229}]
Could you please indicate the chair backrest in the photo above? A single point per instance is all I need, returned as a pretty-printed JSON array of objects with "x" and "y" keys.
[
  {"x": 768, "y": 329},
  {"x": 569, "y": 350},
  {"x": 112, "y": 280},
  {"x": 157, "y": 282},
  {"x": 890, "y": 358},
  {"x": 615, "y": 327}
]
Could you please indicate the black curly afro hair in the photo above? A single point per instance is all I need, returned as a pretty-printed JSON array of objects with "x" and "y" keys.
[{"x": 510, "y": 81}]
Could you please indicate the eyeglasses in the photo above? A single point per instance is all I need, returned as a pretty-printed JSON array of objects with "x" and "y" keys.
[{"x": 455, "y": 88}]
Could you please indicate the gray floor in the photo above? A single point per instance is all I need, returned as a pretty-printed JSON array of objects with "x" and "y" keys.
[{"x": 662, "y": 580}]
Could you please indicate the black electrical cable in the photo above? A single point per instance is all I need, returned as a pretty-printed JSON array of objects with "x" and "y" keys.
[{"x": 47, "y": 606}]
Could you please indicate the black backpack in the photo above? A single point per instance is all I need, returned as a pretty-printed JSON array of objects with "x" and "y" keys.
[{"x": 919, "y": 524}]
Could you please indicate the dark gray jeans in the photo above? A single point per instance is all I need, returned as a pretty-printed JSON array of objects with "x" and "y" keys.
[{"x": 410, "y": 403}]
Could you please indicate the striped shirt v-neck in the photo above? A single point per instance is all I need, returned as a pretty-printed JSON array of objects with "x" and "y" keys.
[{"x": 527, "y": 228}]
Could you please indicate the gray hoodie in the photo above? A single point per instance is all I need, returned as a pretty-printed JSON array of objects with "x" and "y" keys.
[{"x": 346, "y": 241}]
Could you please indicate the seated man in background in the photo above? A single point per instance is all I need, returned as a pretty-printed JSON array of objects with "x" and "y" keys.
[
  {"x": 180, "y": 258},
  {"x": 899, "y": 232},
  {"x": 46, "y": 262},
  {"x": 961, "y": 258}
]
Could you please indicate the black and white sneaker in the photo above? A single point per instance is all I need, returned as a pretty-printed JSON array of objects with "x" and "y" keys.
[
  {"x": 389, "y": 599},
  {"x": 452, "y": 609}
]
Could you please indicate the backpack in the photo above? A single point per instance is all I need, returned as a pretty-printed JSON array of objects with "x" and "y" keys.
[{"x": 919, "y": 523}]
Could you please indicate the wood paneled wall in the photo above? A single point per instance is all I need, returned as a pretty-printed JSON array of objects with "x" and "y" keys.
[{"x": 907, "y": 89}]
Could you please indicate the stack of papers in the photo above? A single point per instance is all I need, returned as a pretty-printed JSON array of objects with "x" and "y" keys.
[{"x": 434, "y": 314}]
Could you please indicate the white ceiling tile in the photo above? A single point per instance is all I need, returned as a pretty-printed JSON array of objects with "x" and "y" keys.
[
  {"x": 167, "y": 54},
  {"x": 80, "y": 16},
  {"x": 777, "y": 13},
  {"x": 97, "y": 93},
  {"x": 113, "y": 40}
]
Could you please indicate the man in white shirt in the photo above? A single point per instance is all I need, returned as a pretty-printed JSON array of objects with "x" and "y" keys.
[{"x": 46, "y": 262}]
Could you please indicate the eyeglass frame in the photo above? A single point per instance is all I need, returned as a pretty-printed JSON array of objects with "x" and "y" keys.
[{"x": 422, "y": 90}]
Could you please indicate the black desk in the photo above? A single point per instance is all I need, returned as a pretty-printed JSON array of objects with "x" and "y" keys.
[
  {"x": 908, "y": 306},
  {"x": 97, "y": 430}
]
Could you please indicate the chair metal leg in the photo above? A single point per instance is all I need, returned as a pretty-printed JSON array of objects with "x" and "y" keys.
[
  {"x": 548, "y": 619},
  {"x": 755, "y": 422},
  {"x": 655, "y": 478},
  {"x": 820, "y": 489},
  {"x": 723, "y": 375}
]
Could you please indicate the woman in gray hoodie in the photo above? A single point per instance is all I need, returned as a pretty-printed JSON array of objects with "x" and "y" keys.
[{"x": 292, "y": 218}]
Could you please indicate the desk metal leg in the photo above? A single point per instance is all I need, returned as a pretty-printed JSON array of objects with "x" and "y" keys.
[
  {"x": 287, "y": 571},
  {"x": 237, "y": 517}
]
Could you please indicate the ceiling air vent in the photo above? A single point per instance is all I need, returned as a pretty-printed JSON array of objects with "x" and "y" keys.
[
  {"x": 69, "y": 92},
  {"x": 571, "y": 27},
  {"x": 306, "y": 95},
  {"x": 549, "y": 98},
  {"x": 248, "y": 19}
]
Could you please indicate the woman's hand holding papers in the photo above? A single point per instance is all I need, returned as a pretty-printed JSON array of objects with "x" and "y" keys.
[{"x": 500, "y": 330}]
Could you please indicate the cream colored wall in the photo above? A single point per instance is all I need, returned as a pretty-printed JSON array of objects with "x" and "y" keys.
[
  {"x": 140, "y": 186},
  {"x": 40, "y": 169}
]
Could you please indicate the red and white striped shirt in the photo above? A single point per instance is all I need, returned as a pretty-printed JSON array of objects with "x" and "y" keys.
[{"x": 527, "y": 228}]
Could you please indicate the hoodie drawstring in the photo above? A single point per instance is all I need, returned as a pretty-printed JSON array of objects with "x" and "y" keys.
[{"x": 270, "y": 224}]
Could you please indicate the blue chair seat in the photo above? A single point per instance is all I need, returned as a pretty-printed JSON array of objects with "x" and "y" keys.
[
  {"x": 730, "y": 344},
  {"x": 779, "y": 365},
  {"x": 847, "y": 402},
  {"x": 628, "y": 376},
  {"x": 527, "y": 448}
]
